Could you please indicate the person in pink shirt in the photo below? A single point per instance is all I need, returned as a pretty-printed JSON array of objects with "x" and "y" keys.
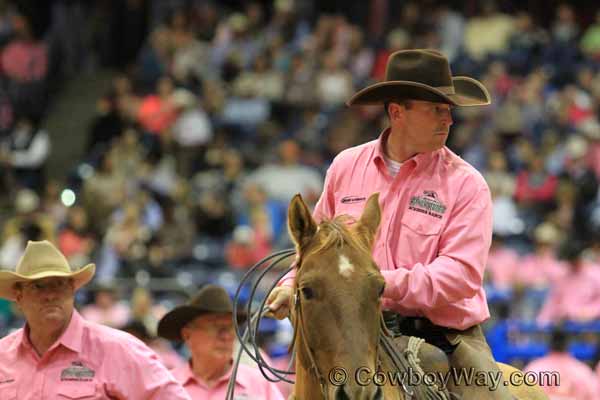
[
  {"x": 597, "y": 371},
  {"x": 576, "y": 297},
  {"x": 433, "y": 242},
  {"x": 502, "y": 265},
  {"x": 541, "y": 268},
  {"x": 562, "y": 376},
  {"x": 58, "y": 354},
  {"x": 205, "y": 325},
  {"x": 106, "y": 309},
  {"x": 166, "y": 354}
]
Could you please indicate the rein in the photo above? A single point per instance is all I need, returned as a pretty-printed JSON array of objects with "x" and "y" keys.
[
  {"x": 248, "y": 339},
  {"x": 300, "y": 326}
]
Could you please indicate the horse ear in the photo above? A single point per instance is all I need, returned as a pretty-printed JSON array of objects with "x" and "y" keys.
[
  {"x": 301, "y": 225},
  {"x": 369, "y": 220}
]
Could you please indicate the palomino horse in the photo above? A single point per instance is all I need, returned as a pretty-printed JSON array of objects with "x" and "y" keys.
[{"x": 337, "y": 314}]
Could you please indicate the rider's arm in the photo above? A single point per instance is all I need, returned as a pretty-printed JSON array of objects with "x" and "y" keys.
[{"x": 457, "y": 272}]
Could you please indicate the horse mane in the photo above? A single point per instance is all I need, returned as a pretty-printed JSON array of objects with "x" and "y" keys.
[{"x": 335, "y": 232}]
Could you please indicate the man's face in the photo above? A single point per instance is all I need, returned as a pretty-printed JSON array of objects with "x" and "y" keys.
[
  {"x": 425, "y": 125},
  {"x": 46, "y": 303},
  {"x": 210, "y": 338}
]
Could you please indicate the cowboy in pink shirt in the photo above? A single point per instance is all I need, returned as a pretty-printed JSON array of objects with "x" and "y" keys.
[
  {"x": 433, "y": 243},
  {"x": 58, "y": 353},
  {"x": 576, "y": 296},
  {"x": 205, "y": 324},
  {"x": 576, "y": 381}
]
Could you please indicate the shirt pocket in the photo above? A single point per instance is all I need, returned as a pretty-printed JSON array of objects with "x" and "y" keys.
[
  {"x": 8, "y": 392},
  {"x": 79, "y": 391},
  {"x": 421, "y": 225}
]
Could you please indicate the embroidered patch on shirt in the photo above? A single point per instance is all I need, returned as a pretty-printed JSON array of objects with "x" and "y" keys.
[
  {"x": 77, "y": 372},
  {"x": 4, "y": 380},
  {"x": 428, "y": 204},
  {"x": 352, "y": 199}
]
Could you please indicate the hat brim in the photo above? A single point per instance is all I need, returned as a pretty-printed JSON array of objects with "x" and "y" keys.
[
  {"x": 169, "y": 327},
  {"x": 9, "y": 278},
  {"x": 467, "y": 92}
]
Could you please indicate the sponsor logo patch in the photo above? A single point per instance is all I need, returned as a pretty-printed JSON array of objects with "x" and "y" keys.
[
  {"x": 428, "y": 204},
  {"x": 4, "y": 380},
  {"x": 353, "y": 199},
  {"x": 77, "y": 372}
]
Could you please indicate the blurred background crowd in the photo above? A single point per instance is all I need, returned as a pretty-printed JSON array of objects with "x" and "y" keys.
[{"x": 170, "y": 164}]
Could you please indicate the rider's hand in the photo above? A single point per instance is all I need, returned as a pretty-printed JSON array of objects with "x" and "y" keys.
[{"x": 279, "y": 302}]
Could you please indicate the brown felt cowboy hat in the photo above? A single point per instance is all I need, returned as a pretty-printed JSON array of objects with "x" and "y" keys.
[
  {"x": 42, "y": 260},
  {"x": 422, "y": 74},
  {"x": 211, "y": 299}
]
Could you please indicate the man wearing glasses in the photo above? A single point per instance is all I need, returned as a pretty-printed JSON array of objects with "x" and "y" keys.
[
  {"x": 58, "y": 353},
  {"x": 205, "y": 325}
]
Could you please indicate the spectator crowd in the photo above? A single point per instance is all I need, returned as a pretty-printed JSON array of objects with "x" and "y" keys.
[{"x": 219, "y": 112}]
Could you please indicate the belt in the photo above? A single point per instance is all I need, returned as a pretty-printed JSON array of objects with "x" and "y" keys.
[{"x": 420, "y": 327}]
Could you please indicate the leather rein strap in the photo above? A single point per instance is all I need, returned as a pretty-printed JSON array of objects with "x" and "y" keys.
[
  {"x": 398, "y": 359},
  {"x": 300, "y": 325}
]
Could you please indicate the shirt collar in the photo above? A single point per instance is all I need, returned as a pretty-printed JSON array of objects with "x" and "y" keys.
[
  {"x": 185, "y": 374},
  {"x": 71, "y": 337},
  {"x": 419, "y": 160},
  {"x": 20, "y": 339}
]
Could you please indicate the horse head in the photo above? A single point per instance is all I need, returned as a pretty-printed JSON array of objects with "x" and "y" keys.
[{"x": 336, "y": 307}]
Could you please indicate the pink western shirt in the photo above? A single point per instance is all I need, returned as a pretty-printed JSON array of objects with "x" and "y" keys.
[
  {"x": 249, "y": 385},
  {"x": 598, "y": 374},
  {"x": 116, "y": 316},
  {"x": 575, "y": 297},
  {"x": 541, "y": 269},
  {"x": 577, "y": 380},
  {"x": 502, "y": 265},
  {"x": 89, "y": 361},
  {"x": 433, "y": 242}
]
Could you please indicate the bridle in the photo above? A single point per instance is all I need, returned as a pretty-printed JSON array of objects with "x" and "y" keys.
[
  {"x": 248, "y": 340},
  {"x": 384, "y": 335},
  {"x": 299, "y": 326}
]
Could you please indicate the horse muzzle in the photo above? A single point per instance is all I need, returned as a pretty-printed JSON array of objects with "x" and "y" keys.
[{"x": 357, "y": 393}]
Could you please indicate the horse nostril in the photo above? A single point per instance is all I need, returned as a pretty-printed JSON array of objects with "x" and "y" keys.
[
  {"x": 378, "y": 394},
  {"x": 340, "y": 393}
]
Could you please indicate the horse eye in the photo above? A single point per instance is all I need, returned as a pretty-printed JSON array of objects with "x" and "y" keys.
[
  {"x": 381, "y": 290},
  {"x": 308, "y": 293}
]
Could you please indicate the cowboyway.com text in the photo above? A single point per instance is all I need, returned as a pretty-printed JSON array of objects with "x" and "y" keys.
[{"x": 492, "y": 379}]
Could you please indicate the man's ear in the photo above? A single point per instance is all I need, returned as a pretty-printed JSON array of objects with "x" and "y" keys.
[
  {"x": 185, "y": 333},
  {"x": 368, "y": 224},
  {"x": 18, "y": 292},
  {"x": 301, "y": 225}
]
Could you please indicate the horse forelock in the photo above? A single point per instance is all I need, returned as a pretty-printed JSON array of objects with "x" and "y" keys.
[{"x": 336, "y": 233}]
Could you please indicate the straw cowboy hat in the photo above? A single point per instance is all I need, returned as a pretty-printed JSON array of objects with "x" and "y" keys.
[
  {"x": 42, "y": 260},
  {"x": 211, "y": 299},
  {"x": 422, "y": 75}
]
